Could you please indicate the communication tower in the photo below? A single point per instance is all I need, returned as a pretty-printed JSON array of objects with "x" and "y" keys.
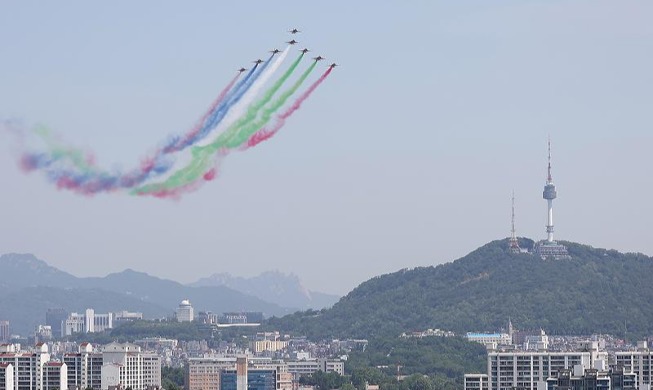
[
  {"x": 514, "y": 243},
  {"x": 549, "y": 248}
]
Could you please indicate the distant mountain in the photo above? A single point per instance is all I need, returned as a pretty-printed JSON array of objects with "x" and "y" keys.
[
  {"x": 25, "y": 270},
  {"x": 29, "y": 286},
  {"x": 25, "y": 308},
  {"x": 597, "y": 291},
  {"x": 274, "y": 286}
]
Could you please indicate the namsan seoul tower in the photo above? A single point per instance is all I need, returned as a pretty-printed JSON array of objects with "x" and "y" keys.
[
  {"x": 550, "y": 249},
  {"x": 549, "y": 194}
]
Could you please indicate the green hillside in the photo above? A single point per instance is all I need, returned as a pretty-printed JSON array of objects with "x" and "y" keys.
[{"x": 597, "y": 291}]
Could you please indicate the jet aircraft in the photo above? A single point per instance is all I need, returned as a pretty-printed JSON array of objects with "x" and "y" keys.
[
  {"x": 292, "y": 42},
  {"x": 294, "y": 31},
  {"x": 319, "y": 58},
  {"x": 304, "y": 50},
  {"x": 333, "y": 65},
  {"x": 259, "y": 61},
  {"x": 275, "y": 51}
]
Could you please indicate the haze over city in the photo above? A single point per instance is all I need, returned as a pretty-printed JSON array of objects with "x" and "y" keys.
[{"x": 406, "y": 156}]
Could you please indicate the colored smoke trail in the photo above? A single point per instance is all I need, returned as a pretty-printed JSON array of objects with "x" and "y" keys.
[
  {"x": 83, "y": 177},
  {"x": 236, "y": 120},
  {"x": 249, "y": 118},
  {"x": 202, "y": 159},
  {"x": 181, "y": 142},
  {"x": 241, "y": 108},
  {"x": 57, "y": 152},
  {"x": 203, "y": 156},
  {"x": 245, "y": 132},
  {"x": 215, "y": 117},
  {"x": 265, "y": 134}
]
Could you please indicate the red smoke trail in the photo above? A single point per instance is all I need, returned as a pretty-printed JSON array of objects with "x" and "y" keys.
[{"x": 264, "y": 134}]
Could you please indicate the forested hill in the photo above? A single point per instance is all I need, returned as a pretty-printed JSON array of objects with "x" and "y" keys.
[{"x": 597, "y": 291}]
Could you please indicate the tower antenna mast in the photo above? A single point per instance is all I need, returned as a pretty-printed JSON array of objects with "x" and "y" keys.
[{"x": 514, "y": 243}]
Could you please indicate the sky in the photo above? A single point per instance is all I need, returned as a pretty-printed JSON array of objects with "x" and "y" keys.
[{"x": 405, "y": 156}]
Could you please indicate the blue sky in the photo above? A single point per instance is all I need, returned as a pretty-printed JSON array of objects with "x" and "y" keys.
[{"x": 405, "y": 157}]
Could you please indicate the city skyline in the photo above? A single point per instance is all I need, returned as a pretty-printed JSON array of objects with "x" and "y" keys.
[{"x": 406, "y": 157}]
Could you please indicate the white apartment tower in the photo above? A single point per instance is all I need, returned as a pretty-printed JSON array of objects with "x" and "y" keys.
[
  {"x": 27, "y": 367},
  {"x": 84, "y": 368},
  {"x": 6, "y": 376},
  {"x": 126, "y": 365}
]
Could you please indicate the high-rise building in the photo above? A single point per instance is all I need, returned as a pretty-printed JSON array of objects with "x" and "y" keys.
[
  {"x": 54, "y": 376},
  {"x": 525, "y": 369},
  {"x": 27, "y": 366},
  {"x": 550, "y": 249},
  {"x": 591, "y": 379},
  {"x": 255, "y": 379},
  {"x": 84, "y": 368},
  {"x": 185, "y": 311},
  {"x": 204, "y": 373},
  {"x": 55, "y": 318},
  {"x": 640, "y": 362},
  {"x": 6, "y": 376},
  {"x": 128, "y": 366},
  {"x": 4, "y": 331}
]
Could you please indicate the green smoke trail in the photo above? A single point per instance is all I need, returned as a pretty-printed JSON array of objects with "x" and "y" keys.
[
  {"x": 58, "y": 152},
  {"x": 253, "y": 110},
  {"x": 204, "y": 157},
  {"x": 243, "y": 133}
]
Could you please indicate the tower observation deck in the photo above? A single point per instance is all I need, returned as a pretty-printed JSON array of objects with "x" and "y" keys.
[{"x": 549, "y": 248}]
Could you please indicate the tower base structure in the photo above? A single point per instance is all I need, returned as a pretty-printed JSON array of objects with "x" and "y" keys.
[{"x": 551, "y": 250}]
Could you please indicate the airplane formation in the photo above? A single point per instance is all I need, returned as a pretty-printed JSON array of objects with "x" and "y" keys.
[{"x": 291, "y": 42}]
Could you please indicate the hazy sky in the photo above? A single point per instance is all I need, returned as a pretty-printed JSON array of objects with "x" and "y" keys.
[{"x": 406, "y": 156}]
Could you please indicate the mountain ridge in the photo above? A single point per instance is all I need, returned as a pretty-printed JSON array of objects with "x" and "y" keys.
[
  {"x": 596, "y": 291},
  {"x": 25, "y": 276},
  {"x": 274, "y": 286}
]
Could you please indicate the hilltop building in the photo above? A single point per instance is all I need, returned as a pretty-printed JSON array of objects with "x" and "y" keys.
[
  {"x": 185, "y": 311},
  {"x": 550, "y": 249},
  {"x": 490, "y": 340},
  {"x": 89, "y": 322},
  {"x": 125, "y": 316}
]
